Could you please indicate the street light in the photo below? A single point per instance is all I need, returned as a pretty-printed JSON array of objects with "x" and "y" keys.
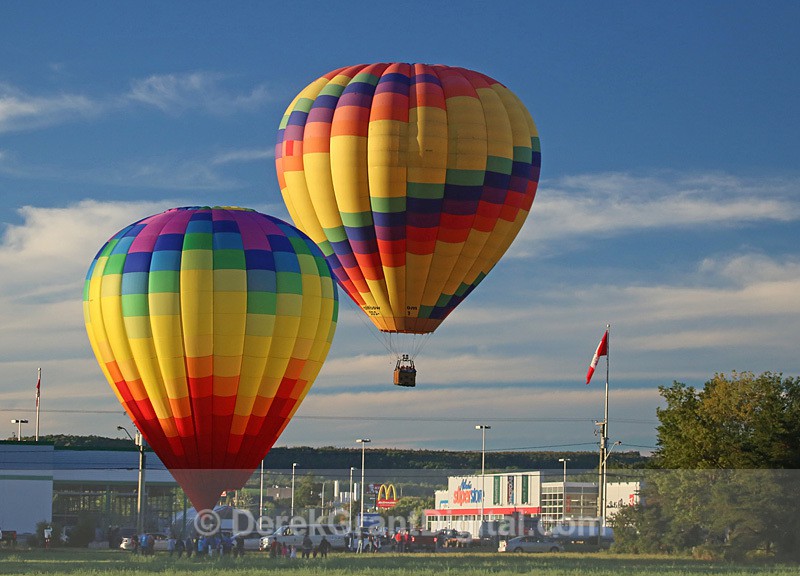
[
  {"x": 564, "y": 460},
  {"x": 483, "y": 428},
  {"x": 19, "y": 424},
  {"x": 603, "y": 489},
  {"x": 564, "y": 489},
  {"x": 139, "y": 441},
  {"x": 363, "y": 442},
  {"x": 294, "y": 465},
  {"x": 350, "y": 501}
]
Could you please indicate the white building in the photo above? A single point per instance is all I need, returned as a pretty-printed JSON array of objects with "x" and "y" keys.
[{"x": 462, "y": 505}]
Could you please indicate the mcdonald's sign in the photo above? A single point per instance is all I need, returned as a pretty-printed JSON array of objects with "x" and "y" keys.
[{"x": 387, "y": 496}]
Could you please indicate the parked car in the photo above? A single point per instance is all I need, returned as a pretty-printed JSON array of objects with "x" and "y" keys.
[
  {"x": 423, "y": 540},
  {"x": 160, "y": 541},
  {"x": 530, "y": 544},
  {"x": 454, "y": 539},
  {"x": 293, "y": 536}
]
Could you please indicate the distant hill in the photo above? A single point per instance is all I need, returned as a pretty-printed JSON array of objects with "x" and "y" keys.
[{"x": 331, "y": 458}]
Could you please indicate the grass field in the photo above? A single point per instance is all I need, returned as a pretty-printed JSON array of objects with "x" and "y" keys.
[{"x": 117, "y": 563}]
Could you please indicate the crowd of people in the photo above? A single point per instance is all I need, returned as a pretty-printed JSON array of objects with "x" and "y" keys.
[{"x": 215, "y": 545}]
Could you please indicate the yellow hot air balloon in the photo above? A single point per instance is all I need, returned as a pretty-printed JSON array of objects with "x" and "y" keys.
[
  {"x": 413, "y": 179},
  {"x": 210, "y": 325}
]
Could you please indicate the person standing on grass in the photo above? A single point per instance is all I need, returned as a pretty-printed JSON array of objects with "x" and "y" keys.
[
  {"x": 307, "y": 545},
  {"x": 179, "y": 546},
  {"x": 324, "y": 546}
]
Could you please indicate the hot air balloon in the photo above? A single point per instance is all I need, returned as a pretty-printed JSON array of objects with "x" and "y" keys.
[
  {"x": 210, "y": 325},
  {"x": 413, "y": 179}
]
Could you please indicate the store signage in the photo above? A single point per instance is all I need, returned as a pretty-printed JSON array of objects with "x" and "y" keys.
[
  {"x": 466, "y": 494},
  {"x": 387, "y": 496}
]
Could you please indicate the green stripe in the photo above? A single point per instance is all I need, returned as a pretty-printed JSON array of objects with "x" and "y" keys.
[
  {"x": 164, "y": 281},
  {"x": 523, "y": 154},
  {"x": 366, "y": 78},
  {"x": 356, "y": 219},
  {"x": 424, "y": 190},
  {"x": 499, "y": 165},
  {"x": 289, "y": 282},
  {"x": 198, "y": 241},
  {"x": 465, "y": 177},
  {"x": 284, "y": 122},
  {"x": 300, "y": 245},
  {"x": 261, "y": 303},
  {"x": 334, "y": 235},
  {"x": 303, "y": 105},
  {"x": 388, "y": 205},
  {"x": 24, "y": 477},
  {"x": 135, "y": 305},
  {"x": 535, "y": 144},
  {"x": 114, "y": 264},
  {"x": 331, "y": 89},
  {"x": 229, "y": 260}
]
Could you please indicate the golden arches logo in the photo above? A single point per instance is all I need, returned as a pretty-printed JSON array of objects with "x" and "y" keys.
[{"x": 387, "y": 492}]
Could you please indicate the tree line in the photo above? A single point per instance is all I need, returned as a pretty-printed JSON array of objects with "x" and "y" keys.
[{"x": 725, "y": 479}]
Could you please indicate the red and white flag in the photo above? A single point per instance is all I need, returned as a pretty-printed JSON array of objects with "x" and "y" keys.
[
  {"x": 602, "y": 350},
  {"x": 38, "y": 388}
]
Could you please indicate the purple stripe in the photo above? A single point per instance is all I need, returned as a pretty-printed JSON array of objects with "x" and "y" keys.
[
  {"x": 293, "y": 133},
  {"x": 297, "y": 118},
  {"x": 425, "y": 79},
  {"x": 355, "y": 99}
]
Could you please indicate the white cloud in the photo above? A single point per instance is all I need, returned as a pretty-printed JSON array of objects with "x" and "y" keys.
[
  {"x": 613, "y": 204},
  {"x": 21, "y": 111},
  {"x": 237, "y": 156},
  {"x": 197, "y": 90}
]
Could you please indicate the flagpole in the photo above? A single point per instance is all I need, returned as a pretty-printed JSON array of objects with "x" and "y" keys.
[
  {"x": 38, "y": 393},
  {"x": 603, "y": 487}
]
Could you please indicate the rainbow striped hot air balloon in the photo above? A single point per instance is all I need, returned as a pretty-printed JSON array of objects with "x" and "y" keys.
[
  {"x": 210, "y": 325},
  {"x": 413, "y": 179}
]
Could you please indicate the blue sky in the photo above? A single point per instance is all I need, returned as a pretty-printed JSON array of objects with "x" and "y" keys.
[{"x": 668, "y": 204}]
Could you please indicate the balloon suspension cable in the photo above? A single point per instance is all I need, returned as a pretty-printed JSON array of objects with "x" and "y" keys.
[{"x": 396, "y": 344}]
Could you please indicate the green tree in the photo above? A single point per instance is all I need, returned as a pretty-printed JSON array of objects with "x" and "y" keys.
[
  {"x": 727, "y": 487},
  {"x": 744, "y": 421}
]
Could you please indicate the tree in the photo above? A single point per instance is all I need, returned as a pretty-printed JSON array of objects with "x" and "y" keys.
[
  {"x": 727, "y": 487},
  {"x": 744, "y": 421}
]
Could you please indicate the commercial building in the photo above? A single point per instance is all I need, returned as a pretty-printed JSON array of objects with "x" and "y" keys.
[
  {"x": 42, "y": 483},
  {"x": 530, "y": 494}
]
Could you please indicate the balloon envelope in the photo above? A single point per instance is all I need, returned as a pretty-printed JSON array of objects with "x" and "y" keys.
[
  {"x": 210, "y": 325},
  {"x": 413, "y": 180}
]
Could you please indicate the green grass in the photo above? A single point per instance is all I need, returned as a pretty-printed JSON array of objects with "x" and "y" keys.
[{"x": 67, "y": 562}]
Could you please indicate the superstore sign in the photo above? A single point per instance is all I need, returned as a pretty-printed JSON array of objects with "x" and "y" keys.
[{"x": 466, "y": 494}]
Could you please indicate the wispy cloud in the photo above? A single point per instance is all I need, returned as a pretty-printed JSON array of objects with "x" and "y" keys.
[
  {"x": 613, "y": 204},
  {"x": 175, "y": 93},
  {"x": 207, "y": 92},
  {"x": 22, "y": 111},
  {"x": 239, "y": 156}
]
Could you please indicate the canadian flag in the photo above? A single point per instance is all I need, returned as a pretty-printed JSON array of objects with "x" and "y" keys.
[{"x": 602, "y": 350}]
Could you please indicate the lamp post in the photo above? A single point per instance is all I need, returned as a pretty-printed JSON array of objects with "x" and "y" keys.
[
  {"x": 350, "y": 501},
  {"x": 564, "y": 488},
  {"x": 604, "y": 488},
  {"x": 363, "y": 442},
  {"x": 19, "y": 424},
  {"x": 261, "y": 494},
  {"x": 294, "y": 465},
  {"x": 139, "y": 441},
  {"x": 483, "y": 428},
  {"x": 564, "y": 460}
]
